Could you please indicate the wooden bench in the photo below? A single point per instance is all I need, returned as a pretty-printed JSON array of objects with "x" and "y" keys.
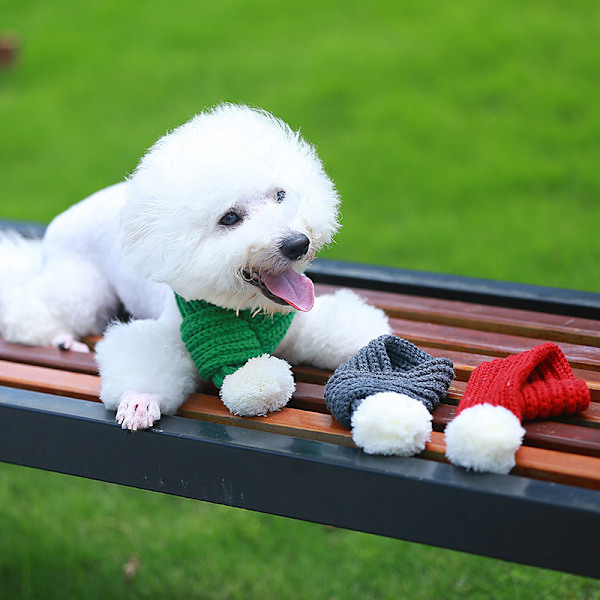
[{"x": 300, "y": 463}]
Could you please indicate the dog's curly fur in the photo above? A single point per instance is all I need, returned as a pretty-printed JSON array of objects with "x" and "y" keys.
[{"x": 216, "y": 210}]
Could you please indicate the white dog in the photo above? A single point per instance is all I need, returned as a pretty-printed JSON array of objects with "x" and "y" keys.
[{"x": 228, "y": 209}]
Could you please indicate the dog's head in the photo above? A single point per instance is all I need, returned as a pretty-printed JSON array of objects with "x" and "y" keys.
[{"x": 230, "y": 208}]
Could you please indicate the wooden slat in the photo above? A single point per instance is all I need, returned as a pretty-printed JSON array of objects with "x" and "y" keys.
[
  {"x": 492, "y": 344},
  {"x": 538, "y": 463},
  {"x": 47, "y": 356},
  {"x": 312, "y": 375},
  {"x": 52, "y": 381},
  {"x": 526, "y": 323},
  {"x": 289, "y": 421},
  {"x": 569, "y": 469},
  {"x": 433, "y": 312},
  {"x": 581, "y": 435},
  {"x": 466, "y": 362}
]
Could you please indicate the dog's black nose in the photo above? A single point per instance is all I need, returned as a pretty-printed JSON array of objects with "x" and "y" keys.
[{"x": 295, "y": 246}]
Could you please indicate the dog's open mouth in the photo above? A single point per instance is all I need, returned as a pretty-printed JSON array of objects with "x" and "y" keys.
[{"x": 287, "y": 287}]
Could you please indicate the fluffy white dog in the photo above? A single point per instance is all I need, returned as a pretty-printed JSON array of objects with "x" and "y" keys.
[{"x": 226, "y": 211}]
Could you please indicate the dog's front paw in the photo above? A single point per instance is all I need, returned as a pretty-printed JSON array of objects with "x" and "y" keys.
[
  {"x": 264, "y": 384},
  {"x": 138, "y": 410}
]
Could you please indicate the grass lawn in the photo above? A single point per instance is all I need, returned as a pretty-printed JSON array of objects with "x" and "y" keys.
[
  {"x": 62, "y": 537},
  {"x": 464, "y": 138}
]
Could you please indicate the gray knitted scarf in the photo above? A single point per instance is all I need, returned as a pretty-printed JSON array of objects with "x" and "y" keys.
[{"x": 387, "y": 364}]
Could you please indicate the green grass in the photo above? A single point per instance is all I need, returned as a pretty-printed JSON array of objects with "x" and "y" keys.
[
  {"x": 463, "y": 137},
  {"x": 62, "y": 537}
]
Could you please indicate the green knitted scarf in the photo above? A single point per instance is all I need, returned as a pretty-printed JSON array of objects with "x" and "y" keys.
[{"x": 220, "y": 341}]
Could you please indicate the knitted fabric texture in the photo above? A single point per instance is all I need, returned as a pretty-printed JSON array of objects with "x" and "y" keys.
[
  {"x": 387, "y": 364},
  {"x": 220, "y": 341},
  {"x": 535, "y": 384}
]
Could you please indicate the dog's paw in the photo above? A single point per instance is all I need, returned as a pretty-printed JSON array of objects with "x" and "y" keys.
[
  {"x": 264, "y": 384},
  {"x": 392, "y": 424},
  {"x": 65, "y": 341},
  {"x": 138, "y": 410}
]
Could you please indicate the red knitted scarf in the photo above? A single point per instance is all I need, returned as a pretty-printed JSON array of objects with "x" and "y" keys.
[{"x": 535, "y": 384}]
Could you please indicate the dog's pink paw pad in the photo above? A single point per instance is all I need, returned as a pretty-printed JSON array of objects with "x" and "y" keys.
[{"x": 138, "y": 410}]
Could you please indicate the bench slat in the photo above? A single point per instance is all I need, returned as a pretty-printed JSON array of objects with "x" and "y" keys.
[
  {"x": 448, "y": 337},
  {"x": 52, "y": 381},
  {"x": 539, "y": 463},
  {"x": 580, "y": 436},
  {"x": 47, "y": 356},
  {"x": 558, "y": 328},
  {"x": 464, "y": 364}
]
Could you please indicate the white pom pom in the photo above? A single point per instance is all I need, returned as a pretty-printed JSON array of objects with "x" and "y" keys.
[
  {"x": 484, "y": 438},
  {"x": 264, "y": 384},
  {"x": 391, "y": 423}
]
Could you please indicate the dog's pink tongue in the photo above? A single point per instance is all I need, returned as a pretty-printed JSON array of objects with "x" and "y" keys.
[{"x": 295, "y": 289}]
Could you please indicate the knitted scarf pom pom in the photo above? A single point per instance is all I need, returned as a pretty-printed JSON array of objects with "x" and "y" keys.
[{"x": 391, "y": 424}]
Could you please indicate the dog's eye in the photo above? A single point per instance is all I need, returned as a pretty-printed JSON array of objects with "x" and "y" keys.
[
  {"x": 279, "y": 195},
  {"x": 230, "y": 219}
]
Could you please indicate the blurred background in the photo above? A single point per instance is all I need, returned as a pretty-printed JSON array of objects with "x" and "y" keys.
[{"x": 464, "y": 137}]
